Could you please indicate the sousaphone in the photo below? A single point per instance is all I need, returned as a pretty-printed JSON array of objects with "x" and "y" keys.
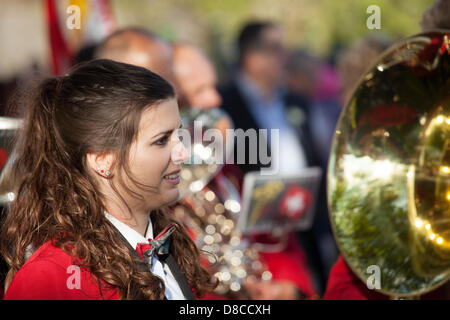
[
  {"x": 210, "y": 203},
  {"x": 203, "y": 128},
  {"x": 389, "y": 169}
]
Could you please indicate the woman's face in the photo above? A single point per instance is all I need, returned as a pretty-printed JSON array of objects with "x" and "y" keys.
[{"x": 156, "y": 155}]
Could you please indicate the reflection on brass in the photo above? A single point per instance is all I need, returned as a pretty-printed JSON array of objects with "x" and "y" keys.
[
  {"x": 232, "y": 259},
  {"x": 389, "y": 169},
  {"x": 204, "y": 162}
]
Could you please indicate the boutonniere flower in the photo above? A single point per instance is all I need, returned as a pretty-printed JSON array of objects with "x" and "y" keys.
[{"x": 295, "y": 116}]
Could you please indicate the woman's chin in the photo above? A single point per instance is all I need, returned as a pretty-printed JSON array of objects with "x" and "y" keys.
[{"x": 172, "y": 196}]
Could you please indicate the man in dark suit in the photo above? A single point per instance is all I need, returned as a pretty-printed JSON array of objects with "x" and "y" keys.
[
  {"x": 291, "y": 279},
  {"x": 256, "y": 99}
]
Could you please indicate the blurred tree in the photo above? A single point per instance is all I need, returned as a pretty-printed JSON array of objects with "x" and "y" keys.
[{"x": 317, "y": 24}]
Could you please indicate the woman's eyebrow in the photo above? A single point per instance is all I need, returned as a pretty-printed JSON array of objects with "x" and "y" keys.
[{"x": 167, "y": 132}]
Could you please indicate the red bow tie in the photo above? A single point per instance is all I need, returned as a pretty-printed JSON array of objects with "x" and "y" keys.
[{"x": 160, "y": 245}]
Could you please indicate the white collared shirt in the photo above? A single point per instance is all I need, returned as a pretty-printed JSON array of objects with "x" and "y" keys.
[{"x": 173, "y": 291}]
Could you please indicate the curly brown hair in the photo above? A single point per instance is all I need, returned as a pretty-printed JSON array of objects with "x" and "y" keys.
[{"x": 94, "y": 109}]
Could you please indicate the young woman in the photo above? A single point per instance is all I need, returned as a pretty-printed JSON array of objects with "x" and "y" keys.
[{"x": 96, "y": 167}]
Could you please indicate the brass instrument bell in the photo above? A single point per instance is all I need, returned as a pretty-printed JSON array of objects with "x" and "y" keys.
[{"x": 389, "y": 169}]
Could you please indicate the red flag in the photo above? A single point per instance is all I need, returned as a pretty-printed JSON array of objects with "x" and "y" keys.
[{"x": 61, "y": 56}]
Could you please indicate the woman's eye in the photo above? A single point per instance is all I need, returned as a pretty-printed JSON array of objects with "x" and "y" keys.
[{"x": 162, "y": 141}]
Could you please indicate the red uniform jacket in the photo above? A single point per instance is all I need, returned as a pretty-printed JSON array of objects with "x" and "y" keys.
[
  {"x": 343, "y": 284},
  {"x": 48, "y": 275}
]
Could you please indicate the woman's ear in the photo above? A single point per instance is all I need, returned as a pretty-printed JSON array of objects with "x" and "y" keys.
[{"x": 100, "y": 163}]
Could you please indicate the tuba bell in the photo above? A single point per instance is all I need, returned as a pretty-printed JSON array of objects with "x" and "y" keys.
[{"x": 388, "y": 183}]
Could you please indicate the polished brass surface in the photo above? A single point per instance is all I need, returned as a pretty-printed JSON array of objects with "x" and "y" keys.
[{"x": 389, "y": 169}]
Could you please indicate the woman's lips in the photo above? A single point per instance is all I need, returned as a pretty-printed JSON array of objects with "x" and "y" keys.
[{"x": 173, "y": 178}]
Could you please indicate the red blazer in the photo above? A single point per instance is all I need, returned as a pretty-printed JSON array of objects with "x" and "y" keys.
[
  {"x": 289, "y": 265},
  {"x": 46, "y": 276},
  {"x": 343, "y": 284}
]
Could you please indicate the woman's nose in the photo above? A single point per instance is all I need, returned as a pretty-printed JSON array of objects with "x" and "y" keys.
[{"x": 179, "y": 153}]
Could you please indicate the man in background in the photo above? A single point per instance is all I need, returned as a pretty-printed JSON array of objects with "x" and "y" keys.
[
  {"x": 256, "y": 98},
  {"x": 195, "y": 78},
  {"x": 139, "y": 47}
]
